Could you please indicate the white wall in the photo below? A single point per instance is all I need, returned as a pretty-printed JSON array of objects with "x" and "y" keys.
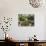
[{"x": 12, "y": 8}]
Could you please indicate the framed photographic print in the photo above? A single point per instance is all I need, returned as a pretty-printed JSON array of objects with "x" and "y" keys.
[{"x": 25, "y": 19}]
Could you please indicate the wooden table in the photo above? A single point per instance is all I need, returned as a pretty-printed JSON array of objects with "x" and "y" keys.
[
  {"x": 28, "y": 43},
  {"x": 31, "y": 43}
]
